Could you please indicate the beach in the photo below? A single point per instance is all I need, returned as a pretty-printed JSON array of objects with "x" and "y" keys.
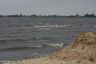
[
  {"x": 47, "y": 32},
  {"x": 81, "y": 51}
]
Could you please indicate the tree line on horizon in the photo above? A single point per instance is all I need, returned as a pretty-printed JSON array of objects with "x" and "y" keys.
[{"x": 34, "y": 15}]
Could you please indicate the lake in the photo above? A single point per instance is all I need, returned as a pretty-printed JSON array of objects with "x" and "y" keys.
[{"x": 24, "y": 37}]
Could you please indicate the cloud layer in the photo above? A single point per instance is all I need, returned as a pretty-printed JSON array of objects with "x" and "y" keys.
[{"x": 47, "y": 7}]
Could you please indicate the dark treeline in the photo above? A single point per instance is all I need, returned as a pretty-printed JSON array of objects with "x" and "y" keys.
[{"x": 34, "y": 15}]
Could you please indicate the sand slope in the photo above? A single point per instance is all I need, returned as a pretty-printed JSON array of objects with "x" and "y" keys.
[{"x": 81, "y": 51}]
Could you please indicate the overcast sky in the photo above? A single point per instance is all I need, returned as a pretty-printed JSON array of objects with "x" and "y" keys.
[{"x": 47, "y": 7}]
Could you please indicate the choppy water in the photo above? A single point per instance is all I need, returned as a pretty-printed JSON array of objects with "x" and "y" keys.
[{"x": 23, "y": 37}]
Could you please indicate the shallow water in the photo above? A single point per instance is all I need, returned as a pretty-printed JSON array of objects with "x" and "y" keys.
[{"x": 23, "y": 37}]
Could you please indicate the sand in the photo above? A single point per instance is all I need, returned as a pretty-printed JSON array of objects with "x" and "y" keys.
[{"x": 81, "y": 51}]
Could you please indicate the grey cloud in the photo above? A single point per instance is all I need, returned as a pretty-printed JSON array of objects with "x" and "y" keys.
[{"x": 59, "y": 7}]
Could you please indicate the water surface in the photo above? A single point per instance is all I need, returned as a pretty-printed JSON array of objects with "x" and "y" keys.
[{"x": 23, "y": 37}]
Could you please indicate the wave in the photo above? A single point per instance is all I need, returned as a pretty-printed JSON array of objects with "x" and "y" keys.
[
  {"x": 53, "y": 45},
  {"x": 20, "y": 48},
  {"x": 52, "y": 26},
  {"x": 33, "y": 47},
  {"x": 6, "y": 41}
]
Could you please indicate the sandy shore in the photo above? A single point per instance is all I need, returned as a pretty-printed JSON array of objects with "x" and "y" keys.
[{"x": 81, "y": 51}]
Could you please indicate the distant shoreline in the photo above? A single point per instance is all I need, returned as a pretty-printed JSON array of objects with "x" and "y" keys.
[
  {"x": 53, "y": 16},
  {"x": 48, "y": 17}
]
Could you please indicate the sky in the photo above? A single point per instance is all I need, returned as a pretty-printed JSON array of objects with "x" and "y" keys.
[{"x": 47, "y": 7}]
